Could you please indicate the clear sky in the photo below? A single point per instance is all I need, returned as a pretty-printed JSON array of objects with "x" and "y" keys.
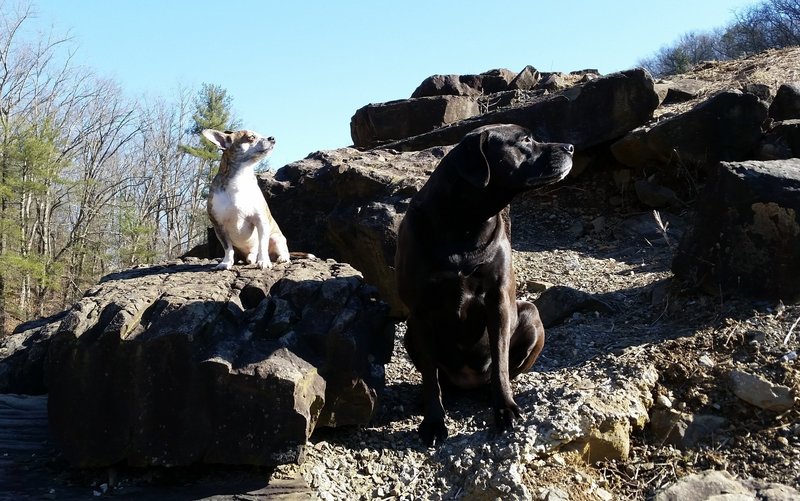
[{"x": 298, "y": 70}]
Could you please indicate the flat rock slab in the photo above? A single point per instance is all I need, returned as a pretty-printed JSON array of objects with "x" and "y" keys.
[
  {"x": 181, "y": 364},
  {"x": 585, "y": 115}
]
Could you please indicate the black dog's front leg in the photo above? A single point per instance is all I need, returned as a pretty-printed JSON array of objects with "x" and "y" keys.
[
  {"x": 432, "y": 430},
  {"x": 501, "y": 316}
]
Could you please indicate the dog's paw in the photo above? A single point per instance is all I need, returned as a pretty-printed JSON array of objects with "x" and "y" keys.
[
  {"x": 433, "y": 432},
  {"x": 251, "y": 258},
  {"x": 264, "y": 264},
  {"x": 224, "y": 265},
  {"x": 283, "y": 258},
  {"x": 504, "y": 416}
]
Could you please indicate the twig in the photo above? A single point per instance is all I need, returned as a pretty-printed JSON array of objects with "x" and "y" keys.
[
  {"x": 662, "y": 228},
  {"x": 786, "y": 339}
]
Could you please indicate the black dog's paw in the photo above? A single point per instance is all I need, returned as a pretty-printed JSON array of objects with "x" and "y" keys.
[
  {"x": 433, "y": 432},
  {"x": 504, "y": 417}
]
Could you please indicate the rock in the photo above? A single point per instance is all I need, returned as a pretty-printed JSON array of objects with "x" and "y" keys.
[
  {"x": 775, "y": 144},
  {"x": 177, "y": 364},
  {"x": 444, "y": 85},
  {"x": 609, "y": 442},
  {"x": 558, "y": 303},
  {"x": 761, "y": 91},
  {"x": 702, "y": 486},
  {"x": 654, "y": 195},
  {"x": 668, "y": 426},
  {"x": 537, "y": 285},
  {"x": 725, "y": 127},
  {"x": 22, "y": 356},
  {"x": 494, "y": 81},
  {"x": 782, "y": 142},
  {"x": 374, "y": 124},
  {"x": 683, "y": 430},
  {"x": 664, "y": 402},
  {"x": 682, "y": 89},
  {"x": 758, "y": 391},
  {"x": 527, "y": 79},
  {"x": 487, "y": 82},
  {"x": 347, "y": 204},
  {"x": 585, "y": 115},
  {"x": 786, "y": 104},
  {"x": 745, "y": 236},
  {"x": 721, "y": 485},
  {"x": 661, "y": 89},
  {"x": 596, "y": 424},
  {"x": 553, "y": 82},
  {"x": 552, "y": 494},
  {"x": 646, "y": 226},
  {"x": 774, "y": 492}
]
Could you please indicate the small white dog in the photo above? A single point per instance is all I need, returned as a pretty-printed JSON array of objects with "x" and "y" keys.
[{"x": 236, "y": 206}]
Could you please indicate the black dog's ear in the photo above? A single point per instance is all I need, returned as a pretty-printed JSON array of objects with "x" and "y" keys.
[{"x": 474, "y": 167}]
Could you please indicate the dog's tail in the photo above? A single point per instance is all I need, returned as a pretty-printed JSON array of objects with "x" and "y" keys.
[{"x": 302, "y": 255}]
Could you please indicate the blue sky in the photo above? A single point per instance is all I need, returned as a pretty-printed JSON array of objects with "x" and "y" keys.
[{"x": 298, "y": 70}]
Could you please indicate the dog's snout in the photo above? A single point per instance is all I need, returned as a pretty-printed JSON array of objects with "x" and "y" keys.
[
  {"x": 271, "y": 139},
  {"x": 568, "y": 148}
]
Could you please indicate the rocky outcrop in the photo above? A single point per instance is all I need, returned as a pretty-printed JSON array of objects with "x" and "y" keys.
[
  {"x": 726, "y": 127},
  {"x": 585, "y": 115},
  {"x": 347, "y": 204},
  {"x": 746, "y": 232},
  {"x": 179, "y": 364}
]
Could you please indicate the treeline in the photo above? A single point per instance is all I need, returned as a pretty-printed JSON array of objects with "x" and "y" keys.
[
  {"x": 772, "y": 24},
  {"x": 90, "y": 181}
]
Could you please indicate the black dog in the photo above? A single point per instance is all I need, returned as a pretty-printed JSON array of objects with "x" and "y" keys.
[{"x": 453, "y": 266}]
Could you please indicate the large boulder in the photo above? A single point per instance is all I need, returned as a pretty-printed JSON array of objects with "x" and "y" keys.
[
  {"x": 487, "y": 82},
  {"x": 374, "y": 124},
  {"x": 585, "y": 115},
  {"x": 746, "y": 231},
  {"x": 726, "y": 127},
  {"x": 347, "y": 205},
  {"x": 179, "y": 364}
]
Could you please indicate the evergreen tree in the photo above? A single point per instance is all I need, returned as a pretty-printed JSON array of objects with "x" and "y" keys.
[{"x": 212, "y": 111}]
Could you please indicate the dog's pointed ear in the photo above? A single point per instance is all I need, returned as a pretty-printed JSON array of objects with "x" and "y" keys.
[
  {"x": 221, "y": 139},
  {"x": 474, "y": 167}
]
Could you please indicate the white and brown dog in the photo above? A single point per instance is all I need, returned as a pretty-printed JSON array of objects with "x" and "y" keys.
[{"x": 236, "y": 206}]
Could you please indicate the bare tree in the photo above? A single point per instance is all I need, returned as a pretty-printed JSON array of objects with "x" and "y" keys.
[
  {"x": 31, "y": 77},
  {"x": 683, "y": 55},
  {"x": 89, "y": 180},
  {"x": 769, "y": 25}
]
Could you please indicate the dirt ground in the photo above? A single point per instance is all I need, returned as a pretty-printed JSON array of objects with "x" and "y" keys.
[{"x": 622, "y": 254}]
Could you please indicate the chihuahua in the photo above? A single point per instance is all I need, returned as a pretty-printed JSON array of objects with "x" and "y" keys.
[{"x": 236, "y": 206}]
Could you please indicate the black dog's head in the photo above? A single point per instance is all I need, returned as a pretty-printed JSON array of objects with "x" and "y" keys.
[{"x": 507, "y": 158}]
